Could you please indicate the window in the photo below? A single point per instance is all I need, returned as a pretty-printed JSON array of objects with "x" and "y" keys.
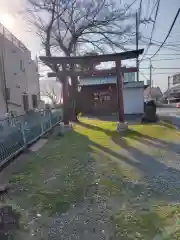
[
  {"x": 34, "y": 101},
  {"x": 7, "y": 94},
  {"x": 107, "y": 98},
  {"x": 21, "y": 66},
  {"x": 25, "y": 102},
  {"x": 101, "y": 97}
]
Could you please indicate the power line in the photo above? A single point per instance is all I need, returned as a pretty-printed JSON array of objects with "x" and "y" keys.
[
  {"x": 147, "y": 8},
  {"x": 169, "y": 32},
  {"x": 157, "y": 44},
  {"x": 168, "y": 44},
  {"x": 169, "y": 48},
  {"x": 153, "y": 28},
  {"x": 140, "y": 8},
  {"x": 175, "y": 42},
  {"x": 162, "y": 73},
  {"x": 143, "y": 75},
  {"x": 162, "y": 68},
  {"x": 165, "y": 54},
  {"x": 154, "y": 3},
  {"x": 162, "y": 59}
]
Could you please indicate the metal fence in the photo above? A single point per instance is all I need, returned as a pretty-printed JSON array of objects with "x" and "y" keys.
[{"x": 16, "y": 133}]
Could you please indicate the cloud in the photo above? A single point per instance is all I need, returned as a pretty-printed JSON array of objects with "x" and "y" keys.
[{"x": 22, "y": 30}]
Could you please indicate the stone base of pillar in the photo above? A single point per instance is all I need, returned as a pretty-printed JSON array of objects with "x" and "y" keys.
[
  {"x": 66, "y": 128},
  {"x": 122, "y": 126}
]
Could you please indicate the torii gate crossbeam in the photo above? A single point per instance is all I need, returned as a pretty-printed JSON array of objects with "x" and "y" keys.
[{"x": 117, "y": 57}]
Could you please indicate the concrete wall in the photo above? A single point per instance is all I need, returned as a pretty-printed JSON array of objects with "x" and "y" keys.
[{"x": 21, "y": 75}]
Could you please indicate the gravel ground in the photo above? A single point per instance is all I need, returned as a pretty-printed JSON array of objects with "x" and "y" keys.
[
  {"x": 90, "y": 219},
  {"x": 86, "y": 221},
  {"x": 159, "y": 164}
]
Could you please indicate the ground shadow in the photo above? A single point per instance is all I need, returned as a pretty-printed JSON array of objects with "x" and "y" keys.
[
  {"x": 145, "y": 139},
  {"x": 96, "y": 128},
  {"x": 151, "y": 141},
  {"x": 114, "y": 118},
  {"x": 163, "y": 181},
  {"x": 151, "y": 188}
]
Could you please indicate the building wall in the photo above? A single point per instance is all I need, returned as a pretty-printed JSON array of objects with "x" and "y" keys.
[
  {"x": 133, "y": 100},
  {"x": 21, "y": 76},
  {"x": 33, "y": 85},
  {"x": 2, "y": 102},
  {"x": 176, "y": 79}
]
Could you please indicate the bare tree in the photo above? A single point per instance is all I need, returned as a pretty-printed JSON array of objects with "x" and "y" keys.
[
  {"x": 71, "y": 27},
  {"x": 89, "y": 66},
  {"x": 52, "y": 95}
]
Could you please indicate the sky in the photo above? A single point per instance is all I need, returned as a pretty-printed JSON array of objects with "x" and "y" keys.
[
  {"x": 168, "y": 10},
  {"x": 11, "y": 16}
]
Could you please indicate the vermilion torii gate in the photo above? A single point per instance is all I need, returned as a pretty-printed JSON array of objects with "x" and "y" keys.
[{"x": 65, "y": 63}]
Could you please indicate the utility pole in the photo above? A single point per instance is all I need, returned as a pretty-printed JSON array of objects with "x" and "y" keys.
[
  {"x": 137, "y": 39},
  {"x": 169, "y": 82},
  {"x": 150, "y": 74},
  {"x": 168, "y": 88}
]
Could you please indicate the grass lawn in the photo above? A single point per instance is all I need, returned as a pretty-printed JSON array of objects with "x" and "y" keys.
[{"x": 62, "y": 171}]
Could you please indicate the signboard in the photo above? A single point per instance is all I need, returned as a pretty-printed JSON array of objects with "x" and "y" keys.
[
  {"x": 176, "y": 79},
  {"x": 128, "y": 77}
]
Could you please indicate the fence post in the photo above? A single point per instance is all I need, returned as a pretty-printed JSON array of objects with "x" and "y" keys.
[
  {"x": 23, "y": 133},
  {"x": 50, "y": 119},
  {"x": 42, "y": 121}
]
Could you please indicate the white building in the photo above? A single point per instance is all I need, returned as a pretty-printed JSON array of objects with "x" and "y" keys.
[{"x": 19, "y": 78}]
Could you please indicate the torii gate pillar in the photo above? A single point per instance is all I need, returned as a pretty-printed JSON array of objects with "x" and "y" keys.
[{"x": 120, "y": 101}]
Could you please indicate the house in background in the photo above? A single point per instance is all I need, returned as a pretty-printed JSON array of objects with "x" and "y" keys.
[
  {"x": 19, "y": 78},
  {"x": 172, "y": 95},
  {"x": 98, "y": 95},
  {"x": 152, "y": 93}
]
